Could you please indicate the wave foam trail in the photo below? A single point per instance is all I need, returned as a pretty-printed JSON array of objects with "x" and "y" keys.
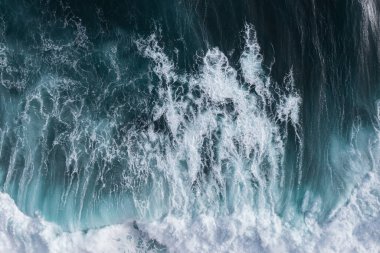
[
  {"x": 226, "y": 139},
  {"x": 198, "y": 164}
]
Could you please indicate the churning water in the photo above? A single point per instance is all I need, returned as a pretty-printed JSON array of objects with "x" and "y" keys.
[{"x": 189, "y": 126}]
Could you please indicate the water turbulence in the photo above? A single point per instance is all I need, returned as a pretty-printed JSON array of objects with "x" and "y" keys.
[{"x": 122, "y": 135}]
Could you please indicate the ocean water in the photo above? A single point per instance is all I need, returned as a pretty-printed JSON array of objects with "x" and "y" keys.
[{"x": 189, "y": 126}]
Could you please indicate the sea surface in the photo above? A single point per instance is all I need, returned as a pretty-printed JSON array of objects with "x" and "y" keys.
[{"x": 189, "y": 126}]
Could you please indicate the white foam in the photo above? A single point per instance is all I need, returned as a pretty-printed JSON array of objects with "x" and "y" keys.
[
  {"x": 20, "y": 233},
  {"x": 354, "y": 228},
  {"x": 182, "y": 208}
]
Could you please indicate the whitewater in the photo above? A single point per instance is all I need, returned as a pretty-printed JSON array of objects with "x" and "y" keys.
[{"x": 233, "y": 215}]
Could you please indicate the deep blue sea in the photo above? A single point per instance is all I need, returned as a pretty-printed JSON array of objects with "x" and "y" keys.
[{"x": 189, "y": 126}]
